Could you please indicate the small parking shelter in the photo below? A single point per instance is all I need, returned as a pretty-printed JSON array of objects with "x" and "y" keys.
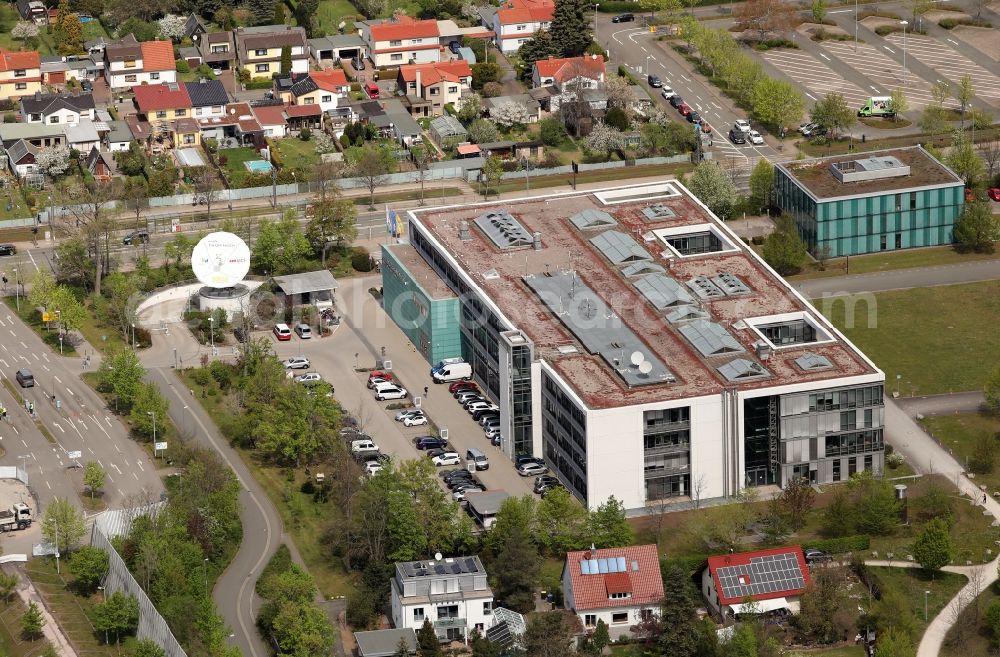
[
  {"x": 385, "y": 643},
  {"x": 484, "y": 506},
  {"x": 311, "y": 287}
]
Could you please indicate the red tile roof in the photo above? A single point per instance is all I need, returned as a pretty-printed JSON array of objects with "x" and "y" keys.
[
  {"x": 746, "y": 576},
  {"x": 468, "y": 149},
  {"x": 641, "y": 578},
  {"x": 513, "y": 16},
  {"x": 157, "y": 56},
  {"x": 331, "y": 79},
  {"x": 153, "y": 97},
  {"x": 11, "y": 60},
  {"x": 452, "y": 71},
  {"x": 270, "y": 114},
  {"x": 299, "y": 111},
  {"x": 567, "y": 68},
  {"x": 405, "y": 29}
]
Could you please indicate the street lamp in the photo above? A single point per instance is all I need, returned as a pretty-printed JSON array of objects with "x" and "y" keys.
[
  {"x": 205, "y": 569},
  {"x": 104, "y": 598},
  {"x": 17, "y": 290},
  {"x": 904, "y": 24},
  {"x": 187, "y": 418},
  {"x": 133, "y": 337},
  {"x": 211, "y": 332},
  {"x": 925, "y": 605},
  {"x": 527, "y": 178},
  {"x": 855, "y": 27},
  {"x": 596, "y": 5},
  {"x": 153, "y": 415}
]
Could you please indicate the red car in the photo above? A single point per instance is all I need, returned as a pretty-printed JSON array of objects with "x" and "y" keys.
[
  {"x": 684, "y": 109},
  {"x": 462, "y": 385},
  {"x": 379, "y": 374},
  {"x": 994, "y": 194}
]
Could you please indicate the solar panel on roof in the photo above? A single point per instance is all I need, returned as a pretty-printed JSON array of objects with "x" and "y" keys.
[
  {"x": 602, "y": 566},
  {"x": 584, "y": 566},
  {"x": 455, "y": 569},
  {"x": 439, "y": 569},
  {"x": 761, "y": 576},
  {"x": 621, "y": 565}
]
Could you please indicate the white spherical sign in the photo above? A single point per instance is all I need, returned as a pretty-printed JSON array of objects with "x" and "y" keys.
[{"x": 220, "y": 260}]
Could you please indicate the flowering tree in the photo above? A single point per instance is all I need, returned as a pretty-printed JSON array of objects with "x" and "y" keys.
[
  {"x": 604, "y": 138},
  {"x": 509, "y": 113},
  {"x": 24, "y": 30},
  {"x": 172, "y": 26},
  {"x": 53, "y": 161}
]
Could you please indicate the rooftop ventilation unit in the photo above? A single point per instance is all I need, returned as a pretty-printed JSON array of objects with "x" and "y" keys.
[
  {"x": 705, "y": 288},
  {"x": 876, "y": 167},
  {"x": 731, "y": 284},
  {"x": 504, "y": 230},
  {"x": 464, "y": 233},
  {"x": 742, "y": 369},
  {"x": 657, "y": 212},
  {"x": 763, "y": 350}
]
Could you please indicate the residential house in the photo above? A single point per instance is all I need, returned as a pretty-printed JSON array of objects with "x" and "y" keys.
[
  {"x": 39, "y": 135},
  {"x": 193, "y": 27},
  {"x": 770, "y": 579},
  {"x": 208, "y": 97},
  {"x": 272, "y": 120},
  {"x": 101, "y": 164},
  {"x": 330, "y": 50},
  {"x": 516, "y": 22},
  {"x": 129, "y": 63},
  {"x": 236, "y": 127},
  {"x": 163, "y": 117},
  {"x": 82, "y": 136},
  {"x": 118, "y": 137},
  {"x": 640, "y": 103},
  {"x": 429, "y": 87},
  {"x": 217, "y": 49},
  {"x": 531, "y": 106},
  {"x": 90, "y": 67},
  {"x": 64, "y": 108},
  {"x": 21, "y": 157},
  {"x": 325, "y": 88},
  {"x": 53, "y": 70},
  {"x": 401, "y": 40},
  {"x": 259, "y": 49},
  {"x": 20, "y": 73},
  {"x": 620, "y": 586},
  {"x": 393, "y": 121},
  {"x": 569, "y": 73},
  {"x": 33, "y": 11},
  {"x": 385, "y": 643},
  {"x": 453, "y": 594}
]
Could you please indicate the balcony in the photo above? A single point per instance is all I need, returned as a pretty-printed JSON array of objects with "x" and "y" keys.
[{"x": 445, "y": 623}]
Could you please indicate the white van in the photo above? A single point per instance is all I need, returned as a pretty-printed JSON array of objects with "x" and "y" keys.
[
  {"x": 477, "y": 457},
  {"x": 452, "y": 372},
  {"x": 441, "y": 364}
]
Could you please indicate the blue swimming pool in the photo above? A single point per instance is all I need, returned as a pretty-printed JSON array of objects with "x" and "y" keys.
[{"x": 258, "y": 166}]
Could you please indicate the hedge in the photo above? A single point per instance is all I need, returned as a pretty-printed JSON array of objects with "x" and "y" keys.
[{"x": 840, "y": 545}]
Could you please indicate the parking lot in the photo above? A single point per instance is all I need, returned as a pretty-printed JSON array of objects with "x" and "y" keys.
[
  {"x": 817, "y": 77},
  {"x": 949, "y": 64},
  {"x": 885, "y": 73},
  {"x": 357, "y": 343}
]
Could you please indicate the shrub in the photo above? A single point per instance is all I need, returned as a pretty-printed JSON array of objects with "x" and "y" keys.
[
  {"x": 305, "y": 134},
  {"x": 839, "y": 545},
  {"x": 182, "y": 66},
  {"x": 201, "y": 377},
  {"x": 492, "y": 90},
  {"x": 361, "y": 260},
  {"x": 552, "y": 131},
  {"x": 223, "y": 159},
  {"x": 221, "y": 373}
]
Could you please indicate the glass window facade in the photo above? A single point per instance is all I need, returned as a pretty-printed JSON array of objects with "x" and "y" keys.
[
  {"x": 666, "y": 435},
  {"x": 564, "y": 437}
]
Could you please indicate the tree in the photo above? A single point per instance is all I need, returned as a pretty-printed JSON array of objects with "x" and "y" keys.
[
  {"x": 963, "y": 159},
  {"x": 894, "y": 643},
  {"x": 172, "y": 26},
  {"x": 280, "y": 245},
  {"x": 471, "y": 108},
  {"x": 992, "y": 391},
  {"x": 482, "y": 131},
  {"x": 833, "y": 113},
  {"x": 68, "y": 30},
  {"x": 63, "y": 525},
  {"x": 509, "y": 113},
  {"x": 571, "y": 27},
  {"x": 932, "y": 549},
  {"x": 822, "y": 616},
  {"x": 977, "y": 228},
  {"x": 877, "y": 506},
  {"x": 818, "y": 11},
  {"x": 608, "y": 526},
  {"x": 89, "y": 565},
  {"x": 123, "y": 377},
  {"x": 32, "y": 622},
  {"x": 617, "y": 118},
  {"x": 301, "y": 630},
  {"x": 797, "y": 501},
  {"x": 784, "y": 249},
  {"x": 423, "y": 156},
  {"x": 777, "y": 103},
  {"x": 516, "y": 586},
  {"x": 678, "y": 632},
  {"x": 206, "y": 189},
  {"x": 762, "y": 184},
  {"x": 713, "y": 187},
  {"x": 492, "y": 173},
  {"x": 372, "y": 164},
  {"x": 147, "y": 648},
  {"x": 932, "y": 120},
  {"x": 8, "y": 584},
  {"x": 94, "y": 477},
  {"x": 53, "y": 161},
  {"x": 119, "y": 614},
  {"x": 550, "y": 634},
  {"x": 898, "y": 102},
  {"x": 484, "y": 72},
  {"x": 428, "y": 644},
  {"x": 561, "y": 522},
  {"x": 91, "y": 218},
  {"x": 538, "y": 47},
  {"x": 23, "y": 30},
  {"x": 765, "y": 17},
  {"x": 286, "y": 60},
  {"x": 601, "y": 638},
  {"x": 605, "y": 139},
  {"x": 296, "y": 427},
  {"x": 966, "y": 92}
]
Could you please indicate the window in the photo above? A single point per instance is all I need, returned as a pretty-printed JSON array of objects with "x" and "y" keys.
[
  {"x": 188, "y": 139},
  {"x": 395, "y": 42},
  {"x": 412, "y": 41},
  {"x": 913, "y": 200},
  {"x": 418, "y": 614},
  {"x": 36, "y": 117},
  {"x": 199, "y": 111},
  {"x": 521, "y": 28},
  {"x": 899, "y": 202},
  {"x": 161, "y": 114},
  {"x": 263, "y": 68},
  {"x": 154, "y": 76},
  {"x": 130, "y": 78},
  {"x": 129, "y": 63},
  {"x": 453, "y": 90},
  {"x": 882, "y": 244},
  {"x": 619, "y": 596},
  {"x": 899, "y": 240},
  {"x": 222, "y": 48},
  {"x": 449, "y": 611},
  {"x": 21, "y": 85},
  {"x": 180, "y": 112},
  {"x": 53, "y": 119},
  {"x": 868, "y": 462},
  {"x": 434, "y": 91},
  {"x": 619, "y": 617},
  {"x": 326, "y": 99},
  {"x": 590, "y": 620},
  {"x": 20, "y": 73},
  {"x": 836, "y": 470},
  {"x": 396, "y": 57},
  {"x": 260, "y": 52},
  {"x": 488, "y": 608}
]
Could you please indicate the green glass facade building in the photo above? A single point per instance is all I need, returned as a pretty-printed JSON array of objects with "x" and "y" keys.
[
  {"x": 883, "y": 201},
  {"x": 418, "y": 301}
]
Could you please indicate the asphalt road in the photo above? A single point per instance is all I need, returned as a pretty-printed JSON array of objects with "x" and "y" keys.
[{"x": 901, "y": 279}]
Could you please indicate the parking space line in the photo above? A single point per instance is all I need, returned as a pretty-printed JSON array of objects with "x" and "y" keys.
[
  {"x": 817, "y": 77},
  {"x": 884, "y": 71},
  {"x": 951, "y": 64}
]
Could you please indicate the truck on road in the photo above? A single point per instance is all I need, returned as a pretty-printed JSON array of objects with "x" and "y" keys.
[
  {"x": 18, "y": 516},
  {"x": 881, "y": 106}
]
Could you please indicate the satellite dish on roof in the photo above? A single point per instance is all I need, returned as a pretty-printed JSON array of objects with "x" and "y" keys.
[
  {"x": 645, "y": 367},
  {"x": 637, "y": 358},
  {"x": 437, "y": 556}
]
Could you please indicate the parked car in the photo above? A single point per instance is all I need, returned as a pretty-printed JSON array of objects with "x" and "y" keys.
[
  {"x": 7, "y": 249},
  {"x": 481, "y": 414},
  {"x": 297, "y": 363},
  {"x": 459, "y": 494},
  {"x": 241, "y": 334},
  {"x": 623, "y": 18},
  {"x": 303, "y": 331},
  {"x": 531, "y": 469},
  {"x": 737, "y": 137},
  {"x": 693, "y": 117},
  {"x": 480, "y": 405},
  {"x": 415, "y": 420},
  {"x": 282, "y": 332},
  {"x": 545, "y": 481},
  {"x": 136, "y": 237},
  {"x": 806, "y": 127},
  {"x": 755, "y": 137},
  {"x": 521, "y": 459},
  {"x": 364, "y": 445},
  {"x": 448, "y": 458},
  {"x": 470, "y": 397},
  {"x": 817, "y": 556},
  {"x": 454, "y": 47},
  {"x": 382, "y": 375},
  {"x": 309, "y": 378},
  {"x": 357, "y": 64},
  {"x": 676, "y": 101},
  {"x": 654, "y": 81},
  {"x": 87, "y": 85},
  {"x": 742, "y": 125},
  {"x": 668, "y": 93},
  {"x": 684, "y": 109},
  {"x": 402, "y": 415},
  {"x": 452, "y": 476},
  {"x": 390, "y": 392},
  {"x": 373, "y": 467},
  {"x": 994, "y": 194},
  {"x": 430, "y": 442},
  {"x": 460, "y": 386}
]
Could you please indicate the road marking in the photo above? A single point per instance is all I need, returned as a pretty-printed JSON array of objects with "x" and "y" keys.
[
  {"x": 108, "y": 420},
  {"x": 118, "y": 448},
  {"x": 58, "y": 380},
  {"x": 139, "y": 462},
  {"x": 82, "y": 424},
  {"x": 70, "y": 392},
  {"x": 810, "y": 95},
  {"x": 952, "y": 40},
  {"x": 874, "y": 89},
  {"x": 686, "y": 78},
  {"x": 59, "y": 426},
  {"x": 136, "y": 476},
  {"x": 24, "y": 443},
  {"x": 46, "y": 357},
  {"x": 34, "y": 355},
  {"x": 91, "y": 451},
  {"x": 33, "y": 260},
  {"x": 46, "y": 368},
  {"x": 17, "y": 432},
  {"x": 119, "y": 490},
  {"x": 823, "y": 55},
  {"x": 4, "y": 347},
  {"x": 717, "y": 106},
  {"x": 48, "y": 484},
  {"x": 115, "y": 466},
  {"x": 889, "y": 49},
  {"x": 4, "y": 363},
  {"x": 100, "y": 464},
  {"x": 840, "y": 11}
]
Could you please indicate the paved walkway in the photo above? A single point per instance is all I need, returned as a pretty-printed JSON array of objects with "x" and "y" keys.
[
  {"x": 900, "y": 279},
  {"x": 51, "y": 629}
]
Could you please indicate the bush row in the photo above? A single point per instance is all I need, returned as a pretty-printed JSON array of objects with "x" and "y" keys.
[{"x": 840, "y": 545}]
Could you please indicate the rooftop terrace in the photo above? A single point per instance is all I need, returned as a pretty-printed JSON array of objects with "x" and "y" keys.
[{"x": 637, "y": 295}]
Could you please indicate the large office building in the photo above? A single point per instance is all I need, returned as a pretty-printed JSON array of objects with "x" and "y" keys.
[
  {"x": 865, "y": 203},
  {"x": 634, "y": 342}
]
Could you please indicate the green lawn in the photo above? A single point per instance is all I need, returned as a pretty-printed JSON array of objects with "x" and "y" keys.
[
  {"x": 18, "y": 209},
  {"x": 48, "y": 334},
  {"x": 840, "y": 651},
  {"x": 959, "y": 433},
  {"x": 935, "y": 337},
  {"x": 101, "y": 338},
  {"x": 331, "y": 12},
  {"x": 235, "y": 157},
  {"x": 296, "y": 154},
  {"x": 912, "y": 582},
  {"x": 889, "y": 260},
  {"x": 11, "y": 643},
  {"x": 71, "y": 610},
  {"x": 599, "y": 175}
]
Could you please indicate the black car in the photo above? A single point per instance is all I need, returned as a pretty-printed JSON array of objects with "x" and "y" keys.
[
  {"x": 693, "y": 117},
  {"x": 7, "y": 249},
  {"x": 676, "y": 101},
  {"x": 737, "y": 136},
  {"x": 241, "y": 334},
  {"x": 545, "y": 481},
  {"x": 358, "y": 63},
  {"x": 462, "y": 482},
  {"x": 654, "y": 81},
  {"x": 455, "y": 46},
  {"x": 136, "y": 237},
  {"x": 87, "y": 85},
  {"x": 478, "y": 415},
  {"x": 448, "y": 476},
  {"x": 817, "y": 556},
  {"x": 430, "y": 442},
  {"x": 623, "y": 18}
]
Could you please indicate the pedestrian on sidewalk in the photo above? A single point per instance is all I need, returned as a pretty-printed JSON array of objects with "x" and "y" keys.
[
  {"x": 984, "y": 499},
  {"x": 427, "y": 392}
]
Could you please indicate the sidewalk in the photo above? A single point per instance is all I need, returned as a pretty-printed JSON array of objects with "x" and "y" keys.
[{"x": 51, "y": 629}]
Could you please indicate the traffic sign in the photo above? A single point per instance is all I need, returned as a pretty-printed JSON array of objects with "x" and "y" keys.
[{"x": 159, "y": 446}]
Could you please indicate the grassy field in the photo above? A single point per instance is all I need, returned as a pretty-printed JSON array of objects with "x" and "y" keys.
[
  {"x": 296, "y": 154},
  {"x": 331, "y": 12},
  {"x": 71, "y": 610},
  {"x": 843, "y": 145},
  {"x": 49, "y": 335},
  {"x": 935, "y": 337},
  {"x": 600, "y": 175},
  {"x": 959, "y": 433},
  {"x": 235, "y": 157},
  {"x": 934, "y": 256},
  {"x": 100, "y": 337},
  {"x": 11, "y": 643},
  {"x": 839, "y": 651},
  {"x": 18, "y": 209},
  {"x": 912, "y": 582}
]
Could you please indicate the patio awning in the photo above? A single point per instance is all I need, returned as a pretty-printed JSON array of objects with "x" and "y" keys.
[{"x": 761, "y": 606}]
